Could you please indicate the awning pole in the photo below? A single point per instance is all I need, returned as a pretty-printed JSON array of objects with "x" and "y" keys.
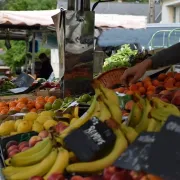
[
  {"x": 26, "y": 60},
  {"x": 33, "y": 54}
]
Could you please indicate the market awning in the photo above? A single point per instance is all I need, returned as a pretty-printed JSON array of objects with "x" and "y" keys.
[{"x": 43, "y": 18}]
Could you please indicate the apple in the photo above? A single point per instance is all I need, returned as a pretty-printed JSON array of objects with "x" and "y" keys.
[
  {"x": 23, "y": 145},
  {"x": 77, "y": 178},
  {"x": 60, "y": 127},
  {"x": 33, "y": 140},
  {"x": 25, "y": 148},
  {"x": 36, "y": 178},
  {"x": 13, "y": 152},
  {"x": 56, "y": 176},
  {"x": 13, "y": 147},
  {"x": 44, "y": 134},
  {"x": 109, "y": 171},
  {"x": 10, "y": 143},
  {"x": 123, "y": 175}
]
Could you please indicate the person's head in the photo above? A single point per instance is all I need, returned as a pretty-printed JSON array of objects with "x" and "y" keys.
[{"x": 43, "y": 57}]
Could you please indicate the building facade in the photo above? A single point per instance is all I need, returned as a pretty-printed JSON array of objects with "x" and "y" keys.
[{"x": 170, "y": 11}]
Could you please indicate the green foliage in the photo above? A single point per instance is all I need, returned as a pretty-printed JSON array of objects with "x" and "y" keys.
[{"x": 16, "y": 55}]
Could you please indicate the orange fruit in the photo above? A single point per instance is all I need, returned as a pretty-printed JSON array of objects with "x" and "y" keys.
[
  {"x": 133, "y": 87},
  {"x": 33, "y": 110},
  {"x": 142, "y": 90},
  {"x": 170, "y": 74},
  {"x": 177, "y": 84},
  {"x": 177, "y": 76},
  {"x": 51, "y": 99},
  {"x": 23, "y": 100},
  {"x": 150, "y": 93},
  {"x": 12, "y": 104},
  {"x": 39, "y": 105},
  {"x": 139, "y": 84},
  {"x": 155, "y": 82},
  {"x": 147, "y": 84},
  {"x": 151, "y": 88},
  {"x": 2, "y": 104},
  {"x": 162, "y": 77},
  {"x": 121, "y": 90},
  {"x": 46, "y": 98},
  {"x": 40, "y": 98},
  {"x": 4, "y": 111},
  {"x": 130, "y": 92},
  {"x": 20, "y": 105},
  {"x": 146, "y": 79},
  {"x": 30, "y": 106}
]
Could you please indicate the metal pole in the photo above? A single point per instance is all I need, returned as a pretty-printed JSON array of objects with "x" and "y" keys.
[
  {"x": 27, "y": 48},
  {"x": 151, "y": 11},
  {"x": 33, "y": 55},
  {"x": 87, "y": 5},
  {"x": 71, "y": 4}
]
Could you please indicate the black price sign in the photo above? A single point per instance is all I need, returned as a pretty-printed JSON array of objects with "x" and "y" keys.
[
  {"x": 164, "y": 158},
  {"x": 136, "y": 155},
  {"x": 90, "y": 140}
]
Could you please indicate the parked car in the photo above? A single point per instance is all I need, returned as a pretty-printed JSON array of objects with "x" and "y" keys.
[{"x": 155, "y": 36}]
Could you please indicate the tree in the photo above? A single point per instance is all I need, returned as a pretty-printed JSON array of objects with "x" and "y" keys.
[{"x": 16, "y": 55}]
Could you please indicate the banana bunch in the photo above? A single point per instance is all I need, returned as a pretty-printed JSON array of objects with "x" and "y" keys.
[
  {"x": 40, "y": 160},
  {"x": 150, "y": 115}
]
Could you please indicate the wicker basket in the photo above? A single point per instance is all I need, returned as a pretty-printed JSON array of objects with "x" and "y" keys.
[{"x": 112, "y": 77}]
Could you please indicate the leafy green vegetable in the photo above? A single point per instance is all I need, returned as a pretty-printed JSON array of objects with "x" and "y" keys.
[{"x": 120, "y": 59}]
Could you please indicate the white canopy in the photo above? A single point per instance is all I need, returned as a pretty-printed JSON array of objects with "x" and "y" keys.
[{"x": 43, "y": 18}]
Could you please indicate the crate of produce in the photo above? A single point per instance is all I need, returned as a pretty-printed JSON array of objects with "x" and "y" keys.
[{"x": 11, "y": 144}]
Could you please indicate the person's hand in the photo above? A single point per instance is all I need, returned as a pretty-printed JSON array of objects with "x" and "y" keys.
[{"x": 133, "y": 74}]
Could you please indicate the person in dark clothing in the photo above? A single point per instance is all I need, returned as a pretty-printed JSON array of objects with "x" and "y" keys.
[
  {"x": 166, "y": 57},
  {"x": 46, "y": 68}
]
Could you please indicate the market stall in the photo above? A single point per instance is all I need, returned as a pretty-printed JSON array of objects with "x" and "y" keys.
[{"x": 113, "y": 133}]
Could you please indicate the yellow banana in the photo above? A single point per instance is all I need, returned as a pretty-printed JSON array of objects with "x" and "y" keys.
[
  {"x": 38, "y": 147},
  {"x": 83, "y": 119},
  {"x": 33, "y": 159},
  {"x": 104, "y": 113},
  {"x": 76, "y": 112},
  {"x": 114, "y": 110},
  {"x": 98, "y": 165},
  {"x": 129, "y": 132},
  {"x": 40, "y": 169},
  {"x": 144, "y": 122},
  {"x": 154, "y": 126},
  {"x": 60, "y": 164},
  {"x": 97, "y": 110}
]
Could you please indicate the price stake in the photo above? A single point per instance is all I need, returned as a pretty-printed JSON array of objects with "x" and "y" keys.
[
  {"x": 91, "y": 140},
  {"x": 164, "y": 157},
  {"x": 136, "y": 155}
]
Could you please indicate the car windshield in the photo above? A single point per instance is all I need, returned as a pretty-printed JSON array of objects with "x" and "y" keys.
[{"x": 150, "y": 38}]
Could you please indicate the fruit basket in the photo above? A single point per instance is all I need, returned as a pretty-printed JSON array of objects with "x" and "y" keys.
[
  {"x": 111, "y": 78},
  {"x": 13, "y": 140}
]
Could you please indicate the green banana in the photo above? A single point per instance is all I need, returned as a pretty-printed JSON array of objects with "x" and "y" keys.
[
  {"x": 33, "y": 159},
  {"x": 129, "y": 132},
  {"x": 23, "y": 173},
  {"x": 143, "y": 124},
  {"x": 135, "y": 115}
]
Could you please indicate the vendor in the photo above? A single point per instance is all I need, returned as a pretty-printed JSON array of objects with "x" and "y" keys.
[
  {"x": 165, "y": 57},
  {"x": 46, "y": 68}
]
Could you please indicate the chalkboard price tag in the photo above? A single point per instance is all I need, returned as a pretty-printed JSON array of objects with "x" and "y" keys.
[
  {"x": 164, "y": 157},
  {"x": 136, "y": 155},
  {"x": 90, "y": 140}
]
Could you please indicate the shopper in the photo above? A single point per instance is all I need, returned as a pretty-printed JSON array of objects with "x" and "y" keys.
[
  {"x": 165, "y": 57},
  {"x": 46, "y": 68}
]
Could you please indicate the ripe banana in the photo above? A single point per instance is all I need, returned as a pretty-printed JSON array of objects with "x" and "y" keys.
[
  {"x": 143, "y": 124},
  {"x": 114, "y": 110},
  {"x": 97, "y": 110},
  {"x": 33, "y": 158},
  {"x": 108, "y": 93},
  {"x": 154, "y": 126},
  {"x": 38, "y": 147},
  {"x": 60, "y": 164},
  {"x": 104, "y": 112},
  {"x": 83, "y": 119},
  {"x": 98, "y": 165},
  {"x": 40, "y": 169},
  {"x": 135, "y": 115},
  {"x": 129, "y": 132},
  {"x": 76, "y": 112}
]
